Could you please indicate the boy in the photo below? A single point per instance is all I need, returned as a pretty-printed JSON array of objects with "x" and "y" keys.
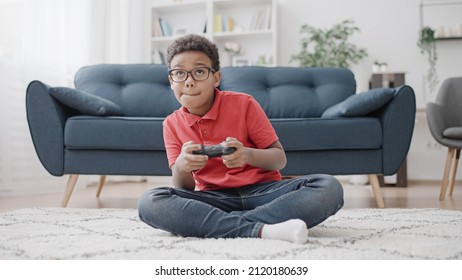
[{"x": 240, "y": 194}]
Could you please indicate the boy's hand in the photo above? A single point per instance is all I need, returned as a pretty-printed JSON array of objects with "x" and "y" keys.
[
  {"x": 237, "y": 159},
  {"x": 187, "y": 161}
]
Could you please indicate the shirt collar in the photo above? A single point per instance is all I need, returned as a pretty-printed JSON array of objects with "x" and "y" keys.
[{"x": 212, "y": 114}]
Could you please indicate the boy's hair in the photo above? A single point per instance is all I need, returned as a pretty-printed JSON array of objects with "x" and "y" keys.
[{"x": 193, "y": 42}]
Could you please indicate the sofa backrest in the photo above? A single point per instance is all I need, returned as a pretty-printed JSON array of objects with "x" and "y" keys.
[
  {"x": 291, "y": 92},
  {"x": 143, "y": 90}
]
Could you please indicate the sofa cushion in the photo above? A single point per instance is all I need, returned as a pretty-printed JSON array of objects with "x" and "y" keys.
[
  {"x": 114, "y": 133},
  {"x": 453, "y": 132},
  {"x": 140, "y": 90},
  {"x": 329, "y": 134},
  {"x": 86, "y": 103},
  {"x": 129, "y": 133},
  {"x": 291, "y": 92},
  {"x": 360, "y": 104}
]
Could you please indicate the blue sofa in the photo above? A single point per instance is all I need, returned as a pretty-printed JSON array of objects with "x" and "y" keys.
[{"x": 111, "y": 123}]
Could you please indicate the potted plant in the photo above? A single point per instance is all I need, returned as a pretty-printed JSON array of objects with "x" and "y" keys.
[
  {"x": 427, "y": 45},
  {"x": 329, "y": 47}
]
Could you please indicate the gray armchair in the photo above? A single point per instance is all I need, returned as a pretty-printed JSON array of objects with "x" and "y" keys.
[{"x": 445, "y": 122}]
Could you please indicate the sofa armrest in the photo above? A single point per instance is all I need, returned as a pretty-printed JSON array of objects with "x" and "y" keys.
[
  {"x": 398, "y": 119},
  {"x": 46, "y": 118}
]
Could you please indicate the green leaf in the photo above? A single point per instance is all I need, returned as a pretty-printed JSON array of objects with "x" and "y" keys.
[{"x": 328, "y": 47}]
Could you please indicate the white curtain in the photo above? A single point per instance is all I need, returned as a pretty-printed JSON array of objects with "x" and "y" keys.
[
  {"x": 48, "y": 40},
  {"x": 118, "y": 31}
]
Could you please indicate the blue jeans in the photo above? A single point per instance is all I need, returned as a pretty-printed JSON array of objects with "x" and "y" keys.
[{"x": 241, "y": 212}]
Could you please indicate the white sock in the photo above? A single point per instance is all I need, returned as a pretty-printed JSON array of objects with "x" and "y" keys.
[{"x": 292, "y": 230}]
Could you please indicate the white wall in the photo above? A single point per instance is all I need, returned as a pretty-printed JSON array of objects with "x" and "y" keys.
[{"x": 389, "y": 32}]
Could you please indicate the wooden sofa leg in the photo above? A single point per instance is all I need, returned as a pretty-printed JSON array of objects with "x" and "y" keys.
[
  {"x": 69, "y": 188},
  {"x": 447, "y": 168},
  {"x": 376, "y": 189},
  {"x": 102, "y": 179}
]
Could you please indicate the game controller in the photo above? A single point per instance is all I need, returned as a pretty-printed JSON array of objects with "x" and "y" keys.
[{"x": 214, "y": 151}]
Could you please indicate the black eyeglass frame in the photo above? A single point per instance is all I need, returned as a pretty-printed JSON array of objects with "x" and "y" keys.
[{"x": 189, "y": 73}]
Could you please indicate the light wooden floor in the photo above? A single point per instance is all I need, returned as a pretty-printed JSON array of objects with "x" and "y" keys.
[{"x": 125, "y": 195}]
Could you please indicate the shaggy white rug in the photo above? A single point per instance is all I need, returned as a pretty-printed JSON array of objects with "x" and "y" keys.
[{"x": 57, "y": 233}]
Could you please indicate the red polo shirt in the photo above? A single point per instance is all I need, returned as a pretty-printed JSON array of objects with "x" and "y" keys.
[{"x": 235, "y": 115}]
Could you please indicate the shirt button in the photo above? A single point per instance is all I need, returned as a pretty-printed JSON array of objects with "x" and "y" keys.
[{"x": 205, "y": 131}]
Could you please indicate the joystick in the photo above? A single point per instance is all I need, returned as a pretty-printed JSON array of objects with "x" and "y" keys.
[{"x": 214, "y": 151}]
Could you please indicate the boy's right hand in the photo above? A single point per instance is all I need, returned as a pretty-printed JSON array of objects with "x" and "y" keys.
[{"x": 189, "y": 162}]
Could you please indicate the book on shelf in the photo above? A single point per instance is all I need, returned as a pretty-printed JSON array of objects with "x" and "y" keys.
[
  {"x": 217, "y": 23},
  {"x": 228, "y": 24},
  {"x": 261, "y": 20},
  {"x": 223, "y": 23},
  {"x": 166, "y": 28},
  {"x": 161, "y": 28},
  {"x": 156, "y": 29}
]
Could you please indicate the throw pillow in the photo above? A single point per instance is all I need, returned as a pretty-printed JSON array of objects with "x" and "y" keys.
[
  {"x": 86, "y": 103},
  {"x": 360, "y": 104}
]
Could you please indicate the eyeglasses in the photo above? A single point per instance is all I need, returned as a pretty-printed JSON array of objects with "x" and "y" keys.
[{"x": 198, "y": 74}]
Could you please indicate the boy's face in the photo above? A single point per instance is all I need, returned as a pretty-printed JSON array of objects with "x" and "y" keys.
[{"x": 196, "y": 96}]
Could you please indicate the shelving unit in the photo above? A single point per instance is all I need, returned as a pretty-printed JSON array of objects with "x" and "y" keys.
[
  {"x": 252, "y": 24},
  {"x": 449, "y": 38},
  {"x": 444, "y": 17}
]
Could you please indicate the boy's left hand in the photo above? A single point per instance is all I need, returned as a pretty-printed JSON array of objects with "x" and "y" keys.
[{"x": 239, "y": 157}]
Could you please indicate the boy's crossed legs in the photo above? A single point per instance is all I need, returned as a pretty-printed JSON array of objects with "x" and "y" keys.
[{"x": 277, "y": 210}]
